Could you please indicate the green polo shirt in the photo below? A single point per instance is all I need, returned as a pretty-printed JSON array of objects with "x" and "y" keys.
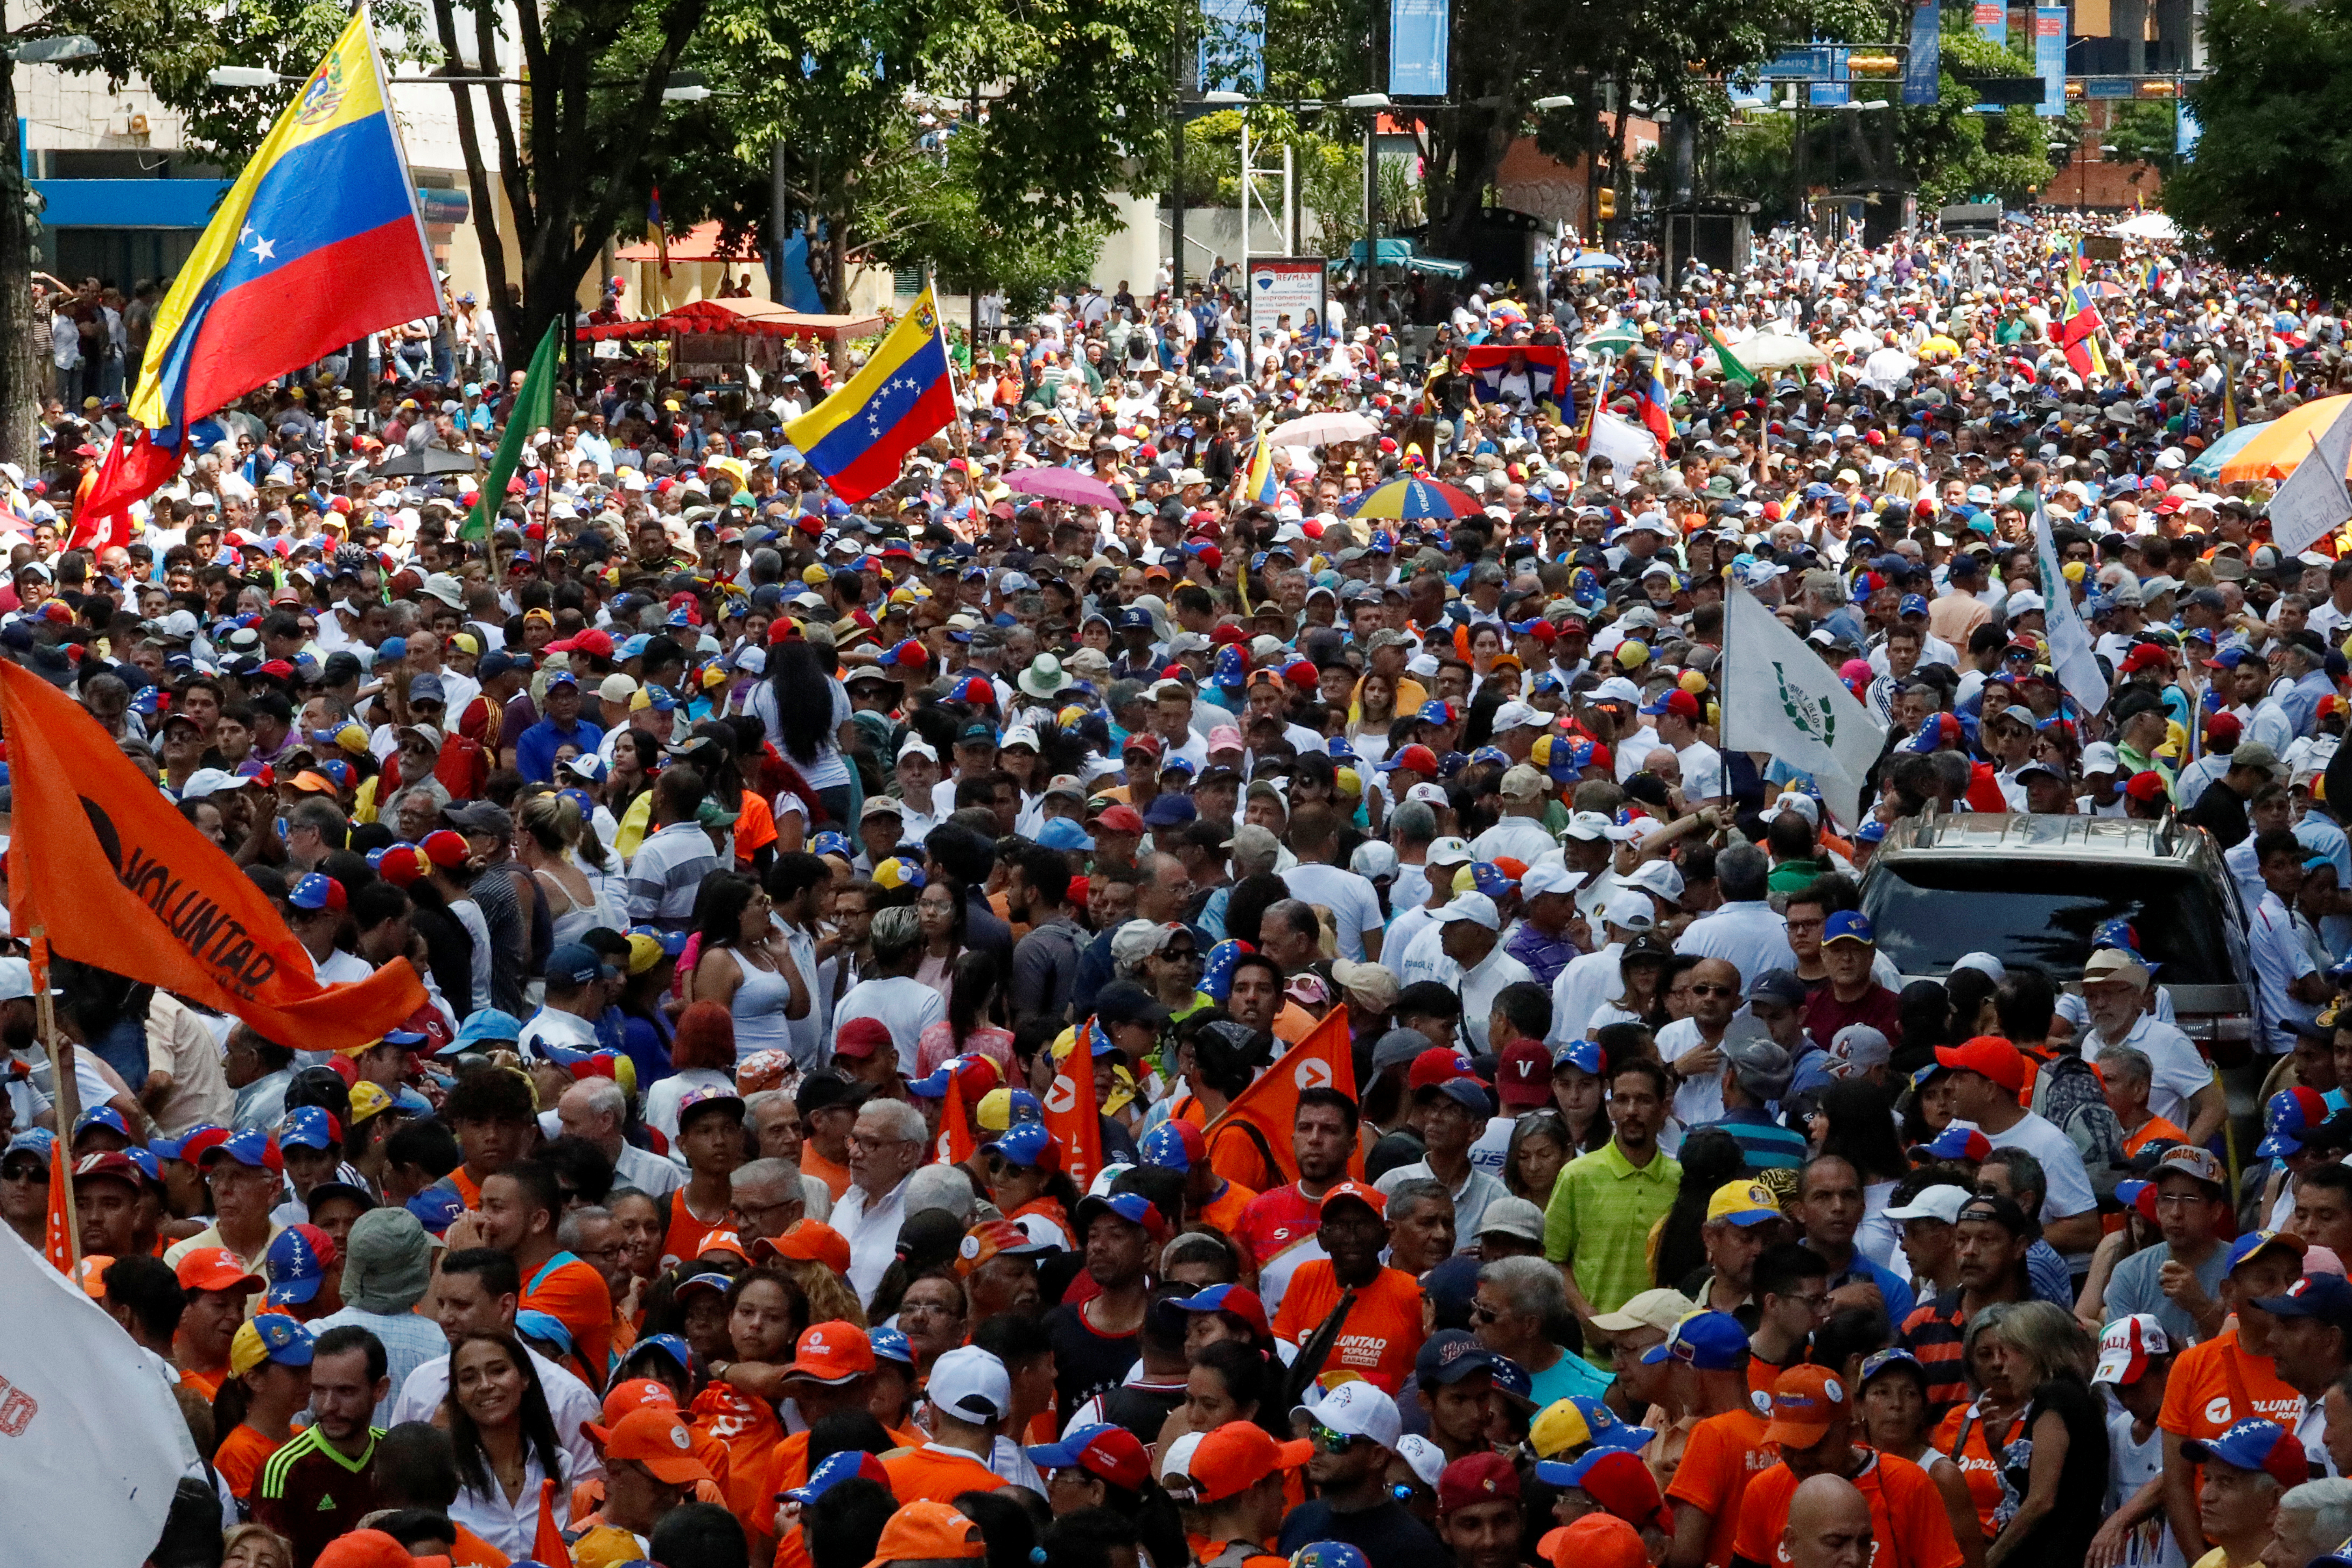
[{"x": 1599, "y": 1221}]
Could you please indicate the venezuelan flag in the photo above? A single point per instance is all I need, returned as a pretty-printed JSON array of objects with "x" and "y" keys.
[
  {"x": 1650, "y": 403},
  {"x": 317, "y": 244},
  {"x": 1258, "y": 487},
  {"x": 899, "y": 399}
]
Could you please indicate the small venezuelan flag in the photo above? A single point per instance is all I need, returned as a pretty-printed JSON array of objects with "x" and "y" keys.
[
  {"x": 318, "y": 243},
  {"x": 901, "y": 396},
  {"x": 1258, "y": 486}
]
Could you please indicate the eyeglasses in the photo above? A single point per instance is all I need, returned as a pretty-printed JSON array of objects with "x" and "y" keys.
[
  {"x": 875, "y": 1145},
  {"x": 1713, "y": 990},
  {"x": 1480, "y": 1312},
  {"x": 27, "y": 1174},
  {"x": 1330, "y": 1441}
]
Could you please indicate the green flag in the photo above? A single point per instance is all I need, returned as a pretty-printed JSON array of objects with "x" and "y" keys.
[
  {"x": 532, "y": 407},
  {"x": 1732, "y": 369}
]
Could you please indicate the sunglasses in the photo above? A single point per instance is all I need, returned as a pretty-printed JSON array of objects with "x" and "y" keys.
[
  {"x": 1330, "y": 1441},
  {"x": 1713, "y": 990}
]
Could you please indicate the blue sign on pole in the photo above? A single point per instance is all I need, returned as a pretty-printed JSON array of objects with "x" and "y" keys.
[
  {"x": 1419, "y": 47},
  {"x": 1232, "y": 45},
  {"x": 1992, "y": 20},
  {"x": 1828, "y": 94},
  {"x": 2185, "y": 134},
  {"x": 1799, "y": 65},
  {"x": 2050, "y": 59},
  {"x": 2107, "y": 87},
  {"x": 1925, "y": 65}
]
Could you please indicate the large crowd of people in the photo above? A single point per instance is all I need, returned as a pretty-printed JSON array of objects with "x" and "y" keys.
[{"x": 769, "y": 861}]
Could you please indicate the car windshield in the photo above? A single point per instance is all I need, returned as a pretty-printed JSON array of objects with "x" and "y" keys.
[{"x": 1930, "y": 910}]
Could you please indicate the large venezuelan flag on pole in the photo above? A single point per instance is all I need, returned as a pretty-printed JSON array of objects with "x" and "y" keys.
[
  {"x": 898, "y": 400},
  {"x": 319, "y": 243}
]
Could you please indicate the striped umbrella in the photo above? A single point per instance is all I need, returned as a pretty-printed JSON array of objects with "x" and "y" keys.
[
  {"x": 1417, "y": 498},
  {"x": 2284, "y": 442}
]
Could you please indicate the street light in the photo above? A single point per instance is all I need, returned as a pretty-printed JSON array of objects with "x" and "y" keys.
[
  {"x": 684, "y": 87},
  {"x": 1226, "y": 98},
  {"x": 1557, "y": 100},
  {"x": 54, "y": 51},
  {"x": 242, "y": 76},
  {"x": 1366, "y": 100}
]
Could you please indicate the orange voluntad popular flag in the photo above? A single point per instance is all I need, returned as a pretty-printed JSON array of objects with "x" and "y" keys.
[
  {"x": 1070, "y": 1112},
  {"x": 546, "y": 1547},
  {"x": 104, "y": 867},
  {"x": 955, "y": 1142},
  {"x": 1324, "y": 1059},
  {"x": 59, "y": 1243}
]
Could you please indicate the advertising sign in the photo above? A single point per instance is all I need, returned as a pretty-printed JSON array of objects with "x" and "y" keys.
[
  {"x": 2050, "y": 59},
  {"x": 1992, "y": 21},
  {"x": 1419, "y": 47},
  {"x": 1926, "y": 61},
  {"x": 1283, "y": 287}
]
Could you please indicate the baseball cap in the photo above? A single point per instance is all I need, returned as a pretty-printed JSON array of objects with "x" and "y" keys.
[
  {"x": 1448, "y": 1356},
  {"x": 1239, "y": 1300},
  {"x": 1475, "y": 1479},
  {"x": 1848, "y": 925},
  {"x": 2254, "y": 1242},
  {"x": 1709, "y": 1341},
  {"x": 1987, "y": 1055},
  {"x": 1658, "y": 1309},
  {"x": 850, "y": 1465},
  {"x": 2256, "y": 1445},
  {"x": 1743, "y": 1204},
  {"x": 1577, "y": 1422},
  {"x": 297, "y": 1262},
  {"x": 251, "y": 1147},
  {"x": 1806, "y": 1400},
  {"x": 1112, "y": 1453},
  {"x": 1597, "y": 1541},
  {"x": 2126, "y": 1347},
  {"x": 1615, "y": 1478},
  {"x": 971, "y": 1383},
  {"x": 655, "y": 1437},
  {"x": 1230, "y": 1459},
  {"x": 930, "y": 1531},
  {"x": 1944, "y": 1202},
  {"x": 1358, "y": 1409},
  {"x": 2327, "y": 1296},
  {"x": 831, "y": 1353},
  {"x": 215, "y": 1268},
  {"x": 810, "y": 1241},
  {"x": 273, "y": 1336},
  {"x": 1523, "y": 1075},
  {"x": 1954, "y": 1143}
]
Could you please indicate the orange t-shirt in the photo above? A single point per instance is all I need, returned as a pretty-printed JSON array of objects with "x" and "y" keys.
[
  {"x": 834, "y": 1177},
  {"x": 1223, "y": 1212},
  {"x": 1722, "y": 1454},
  {"x": 1761, "y": 1372},
  {"x": 1382, "y": 1333},
  {"x": 683, "y": 1240},
  {"x": 2212, "y": 1382},
  {"x": 2154, "y": 1128},
  {"x": 1234, "y": 1155},
  {"x": 576, "y": 1296},
  {"x": 751, "y": 1430},
  {"x": 1978, "y": 1470},
  {"x": 242, "y": 1453},
  {"x": 1908, "y": 1521},
  {"x": 207, "y": 1384},
  {"x": 933, "y": 1474},
  {"x": 468, "y": 1190}
]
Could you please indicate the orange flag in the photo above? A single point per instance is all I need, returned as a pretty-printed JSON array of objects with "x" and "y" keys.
[
  {"x": 1070, "y": 1112},
  {"x": 546, "y": 1547},
  {"x": 955, "y": 1145},
  {"x": 175, "y": 912},
  {"x": 1324, "y": 1059},
  {"x": 60, "y": 1242}
]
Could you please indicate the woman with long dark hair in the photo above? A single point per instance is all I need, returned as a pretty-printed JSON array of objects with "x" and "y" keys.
[
  {"x": 940, "y": 905},
  {"x": 1710, "y": 1157},
  {"x": 806, "y": 712},
  {"x": 973, "y": 988},
  {"x": 744, "y": 963},
  {"x": 505, "y": 1440},
  {"x": 1858, "y": 1121}
]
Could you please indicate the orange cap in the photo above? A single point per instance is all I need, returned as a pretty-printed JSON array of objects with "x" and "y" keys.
[
  {"x": 810, "y": 1241},
  {"x": 930, "y": 1531},
  {"x": 216, "y": 1269},
  {"x": 832, "y": 1353},
  {"x": 91, "y": 1275},
  {"x": 721, "y": 1241},
  {"x": 636, "y": 1393},
  {"x": 1234, "y": 1457},
  {"x": 657, "y": 1438},
  {"x": 1369, "y": 1197},
  {"x": 1806, "y": 1400},
  {"x": 372, "y": 1549},
  {"x": 1596, "y": 1540}
]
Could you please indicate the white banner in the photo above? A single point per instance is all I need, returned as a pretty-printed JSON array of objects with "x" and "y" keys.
[
  {"x": 2312, "y": 504},
  {"x": 2071, "y": 653},
  {"x": 1778, "y": 697},
  {"x": 1624, "y": 442},
  {"x": 91, "y": 1441}
]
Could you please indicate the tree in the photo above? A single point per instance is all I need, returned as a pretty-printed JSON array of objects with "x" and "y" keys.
[
  {"x": 2146, "y": 133},
  {"x": 2265, "y": 173}
]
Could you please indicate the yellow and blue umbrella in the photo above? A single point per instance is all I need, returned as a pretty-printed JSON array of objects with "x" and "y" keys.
[{"x": 1407, "y": 499}]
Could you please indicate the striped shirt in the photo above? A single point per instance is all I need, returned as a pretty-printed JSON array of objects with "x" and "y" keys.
[
  {"x": 667, "y": 874},
  {"x": 1932, "y": 1334},
  {"x": 310, "y": 1493},
  {"x": 1764, "y": 1144}
]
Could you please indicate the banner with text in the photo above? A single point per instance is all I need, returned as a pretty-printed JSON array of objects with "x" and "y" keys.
[
  {"x": 1419, "y": 47},
  {"x": 1925, "y": 65},
  {"x": 2050, "y": 59},
  {"x": 1992, "y": 22}
]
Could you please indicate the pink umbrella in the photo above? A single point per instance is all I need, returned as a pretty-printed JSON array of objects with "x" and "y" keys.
[{"x": 1062, "y": 484}]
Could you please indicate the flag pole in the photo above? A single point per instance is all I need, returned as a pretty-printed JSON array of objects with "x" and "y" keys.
[{"x": 63, "y": 1089}]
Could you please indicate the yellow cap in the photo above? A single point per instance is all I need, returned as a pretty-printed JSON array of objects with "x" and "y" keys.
[
  {"x": 1631, "y": 655},
  {"x": 367, "y": 1100},
  {"x": 1743, "y": 1203},
  {"x": 644, "y": 953}
]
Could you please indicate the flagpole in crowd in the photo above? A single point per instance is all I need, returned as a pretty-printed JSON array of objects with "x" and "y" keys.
[{"x": 64, "y": 1088}]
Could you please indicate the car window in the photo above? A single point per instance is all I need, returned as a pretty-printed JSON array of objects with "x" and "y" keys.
[{"x": 1931, "y": 911}]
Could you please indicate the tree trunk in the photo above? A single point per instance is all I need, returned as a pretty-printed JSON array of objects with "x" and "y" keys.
[{"x": 24, "y": 356}]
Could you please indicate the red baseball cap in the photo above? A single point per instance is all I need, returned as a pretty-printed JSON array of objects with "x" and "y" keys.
[
  {"x": 1596, "y": 1540},
  {"x": 1988, "y": 1055},
  {"x": 1437, "y": 1065},
  {"x": 2145, "y": 788},
  {"x": 1418, "y": 758},
  {"x": 372, "y": 1549},
  {"x": 1477, "y": 1479},
  {"x": 862, "y": 1037},
  {"x": 1523, "y": 1075},
  {"x": 592, "y": 641},
  {"x": 1121, "y": 819}
]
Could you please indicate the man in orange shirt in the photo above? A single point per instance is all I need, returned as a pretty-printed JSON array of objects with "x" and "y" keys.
[
  {"x": 1813, "y": 1426},
  {"x": 1706, "y": 1357},
  {"x": 828, "y": 1105},
  {"x": 969, "y": 1394},
  {"x": 520, "y": 1206},
  {"x": 492, "y": 1112},
  {"x": 218, "y": 1286},
  {"x": 1384, "y": 1329},
  {"x": 1210, "y": 1199},
  {"x": 2229, "y": 1378}
]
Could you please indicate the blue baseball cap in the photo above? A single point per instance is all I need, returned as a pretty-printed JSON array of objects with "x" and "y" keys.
[
  {"x": 1912, "y": 605},
  {"x": 579, "y": 963},
  {"x": 104, "y": 1116},
  {"x": 1584, "y": 1056},
  {"x": 2263, "y": 1446},
  {"x": 484, "y": 1024},
  {"x": 2328, "y": 1297},
  {"x": 294, "y": 1267},
  {"x": 544, "y": 1326},
  {"x": 1064, "y": 833},
  {"x": 1026, "y": 1144},
  {"x": 436, "y": 1209},
  {"x": 1132, "y": 1207},
  {"x": 1848, "y": 925},
  {"x": 1710, "y": 1342},
  {"x": 1490, "y": 879},
  {"x": 36, "y": 1142},
  {"x": 1164, "y": 1146},
  {"x": 889, "y": 1345},
  {"x": 309, "y": 1127},
  {"x": 670, "y": 1345},
  {"x": 849, "y": 1465},
  {"x": 1449, "y": 1355}
]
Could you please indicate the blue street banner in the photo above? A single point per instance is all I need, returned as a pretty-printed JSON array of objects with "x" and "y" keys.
[
  {"x": 2186, "y": 131},
  {"x": 1232, "y": 45},
  {"x": 1925, "y": 64},
  {"x": 1828, "y": 94},
  {"x": 1420, "y": 64},
  {"x": 1992, "y": 17},
  {"x": 2050, "y": 59},
  {"x": 1806, "y": 64}
]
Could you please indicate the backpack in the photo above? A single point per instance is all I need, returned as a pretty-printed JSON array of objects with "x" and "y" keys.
[{"x": 2068, "y": 1094}]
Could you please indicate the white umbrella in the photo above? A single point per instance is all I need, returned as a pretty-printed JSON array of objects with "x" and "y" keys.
[
  {"x": 1777, "y": 351},
  {"x": 2147, "y": 226},
  {"x": 1592, "y": 261},
  {"x": 1322, "y": 430}
]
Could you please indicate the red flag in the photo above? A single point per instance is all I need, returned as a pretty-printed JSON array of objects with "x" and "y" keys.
[
  {"x": 547, "y": 1546},
  {"x": 59, "y": 1244},
  {"x": 1324, "y": 1059},
  {"x": 175, "y": 912},
  {"x": 955, "y": 1143},
  {"x": 1070, "y": 1112},
  {"x": 129, "y": 473}
]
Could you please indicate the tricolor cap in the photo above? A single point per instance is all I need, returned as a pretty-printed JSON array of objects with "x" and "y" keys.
[
  {"x": 1239, "y": 1300},
  {"x": 1329, "y": 1555},
  {"x": 2292, "y": 1115},
  {"x": 309, "y": 1127},
  {"x": 850, "y": 1465},
  {"x": 1957, "y": 1142},
  {"x": 2256, "y": 1241},
  {"x": 1029, "y": 1145},
  {"x": 189, "y": 1145},
  {"x": 1616, "y": 1480},
  {"x": 272, "y": 1336},
  {"x": 297, "y": 1262},
  {"x": 977, "y": 1073},
  {"x": 1111, "y": 1453},
  {"x": 890, "y": 1345},
  {"x": 1173, "y": 1145},
  {"x": 1577, "y": 1423},
  {"x": 104, "y": 1116},
  {"x": 1743, "y": 1204},
  {"x": 1806, "y": 1402},
  {"x": 2127, "y": 1345},
  {"x": 1710, "y": 1342},
  {"x": 2256, "y": 1445}
]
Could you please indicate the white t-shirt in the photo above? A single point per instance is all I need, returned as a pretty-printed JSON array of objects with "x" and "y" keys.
[
  {"x": 1698, "y": 1100},
  {"x": 906, "y": 1005},
  {"x": 2061, "y": 1162},
  {"x": 1354, "y": 904}
]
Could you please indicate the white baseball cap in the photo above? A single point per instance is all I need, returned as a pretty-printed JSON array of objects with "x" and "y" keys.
[
  {"x": 1589, "y": 826},
  {"x": 2126, "y": 1346},
  {"x": 1629, "y": 909},
  {"x": 1360, "y": 1409},
  {"x": 972, "y": 1384},
  {"x": 1475, "y": 906},
  {"x": 1449, "y": 851},
  {"x": 1549, "y": 877},
  {"x": 1943, "y": 1202}
]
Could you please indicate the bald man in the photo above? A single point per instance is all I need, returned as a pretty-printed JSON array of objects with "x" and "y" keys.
[{"x": 1829, "y": 1525}]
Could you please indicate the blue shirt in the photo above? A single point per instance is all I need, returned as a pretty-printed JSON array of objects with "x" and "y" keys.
[
  {"x": 535, "y": 749},
  {"x": 1893, "y": 1291},
  {"x": 1764, "y": 1144}
]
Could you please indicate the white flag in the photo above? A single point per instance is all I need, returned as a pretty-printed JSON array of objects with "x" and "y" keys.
[
  {"x": 2071, "y": 653},
  {"x": 2312, "y": 504},
  {"x": 1778, "y": 697},
  {"x": 91, "y": 1441},
  {"x": 1623, "y": 442}
]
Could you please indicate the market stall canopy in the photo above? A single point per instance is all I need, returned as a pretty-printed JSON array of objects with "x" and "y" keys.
[
  {"x": 2226, "y": 446},
  {"x": 2147, "y": 226},
  {"x": 749, "y": 318},
  {"x": 1404, "y": 253}
]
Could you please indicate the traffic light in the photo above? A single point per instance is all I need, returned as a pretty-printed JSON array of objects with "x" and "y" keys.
[
  {"x": 1607, "y": 204},
  {"x": 1872, "y": 63}
]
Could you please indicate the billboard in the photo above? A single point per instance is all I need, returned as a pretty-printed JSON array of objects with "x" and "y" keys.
[
  {"x": 1282, "y": 286},
  {"x": 1420, "y": 44},
  {"x": 2050, "y": 59}
]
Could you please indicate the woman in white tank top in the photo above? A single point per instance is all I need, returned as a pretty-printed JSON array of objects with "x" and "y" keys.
[{"x": 745, "y": 967}]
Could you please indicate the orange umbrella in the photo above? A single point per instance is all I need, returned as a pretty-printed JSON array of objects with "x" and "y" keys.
[{"x": 2284, "y": 442}]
